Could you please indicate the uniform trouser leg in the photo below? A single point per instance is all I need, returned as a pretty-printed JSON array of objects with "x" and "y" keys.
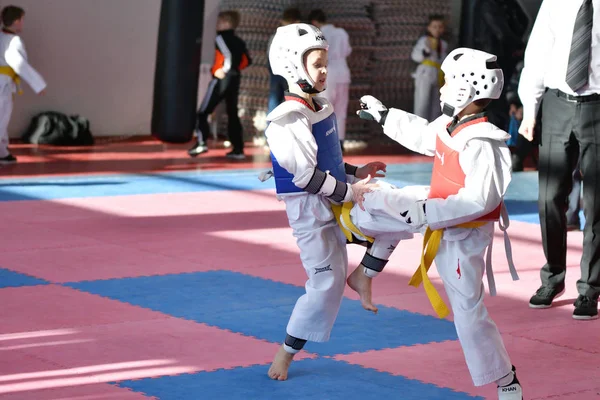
[
  {"x": 213, "y": 96},
  {"x": 379, "y": 253},
  {"x": 435, "y": 110},
  {"x": 558, "y": 156},
  {"x": 340, "y": 106},
  {"x": 587, "y": 132},
  {"x": 383, "y": 208},
  {"x": 382, "y": 221},
  {"x": 6, "y": 107},
  {"x": 335, "y": 95},
  {"x": 234, "y": 125},
  {"x": 325, "y": 260},
  {"x": 423, "y": 92},
  {"x": 461, "y": 266}
]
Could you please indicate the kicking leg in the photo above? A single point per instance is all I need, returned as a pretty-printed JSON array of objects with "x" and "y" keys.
[
  {"x": 323, "y": 254},
  {"x": 373, "y": 262},
  {"x": 381, "y": 220}
]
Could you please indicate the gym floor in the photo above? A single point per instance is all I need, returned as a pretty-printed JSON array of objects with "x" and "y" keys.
[{"x": 131, "y": 271}]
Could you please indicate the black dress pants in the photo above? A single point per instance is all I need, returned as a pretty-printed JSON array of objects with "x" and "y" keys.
[{"x": 570, "y": 132}]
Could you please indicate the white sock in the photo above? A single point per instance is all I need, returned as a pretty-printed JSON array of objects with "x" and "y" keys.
[{"x": 506, "y": 380}]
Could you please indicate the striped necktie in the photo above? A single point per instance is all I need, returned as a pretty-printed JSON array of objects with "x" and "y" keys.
[{"x": 579, "y": 56}]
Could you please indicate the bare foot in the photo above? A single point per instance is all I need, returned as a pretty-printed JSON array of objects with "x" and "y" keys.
[
  {"x": 361, "y": 284},
  {"x": 281, "y": 364}
]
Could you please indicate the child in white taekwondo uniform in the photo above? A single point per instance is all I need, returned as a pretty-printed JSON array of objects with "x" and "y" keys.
[
  {"x": 471, "y": 172},
  {"x": 13, "y": 67},
  {"x": 339, "y": 77},
  {"x": 429, "y": 51},
  {"x": 319, "y": 190}
]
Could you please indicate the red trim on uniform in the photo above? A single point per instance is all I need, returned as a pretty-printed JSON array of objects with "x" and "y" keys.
[
  {"x": 300, "y": 100},
  {"x": 460, "y": 127}
]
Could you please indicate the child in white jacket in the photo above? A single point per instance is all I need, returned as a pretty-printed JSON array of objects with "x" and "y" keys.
[
  {"x": 13, "y": 67},
  {"x": 471, "y": 173},
  {"x": 429, "y": 52},
  {"x": 324, "y": 199}
]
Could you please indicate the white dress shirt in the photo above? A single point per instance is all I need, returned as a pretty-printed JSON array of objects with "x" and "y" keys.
[{"x": 547, "y": 54}]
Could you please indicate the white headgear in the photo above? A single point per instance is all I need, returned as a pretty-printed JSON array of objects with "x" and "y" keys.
[
  {"x": 286, "y": 54},
  {"x": 470, "y": 75}
]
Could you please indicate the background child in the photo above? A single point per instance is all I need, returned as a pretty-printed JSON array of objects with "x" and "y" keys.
[
  {"x": 13, "y": 67},
  {"x": 231, "y": 57},
  {"x": 429, "y": 51},
  {"x": 471, "y": 172},
  {"x": 338, "y": 83}
]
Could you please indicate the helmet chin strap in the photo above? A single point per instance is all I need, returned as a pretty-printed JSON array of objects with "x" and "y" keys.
[
  {"x": 448, "y": 110},
  {"x": 307, "y": 87}
]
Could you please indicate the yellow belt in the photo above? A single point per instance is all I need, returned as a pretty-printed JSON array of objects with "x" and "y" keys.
[
  {"x": 439, "y": 68},
  {"x": 342, "y": 213},
  {"x": 431, "y": 243},
  {"x": 7, "y": 70}
]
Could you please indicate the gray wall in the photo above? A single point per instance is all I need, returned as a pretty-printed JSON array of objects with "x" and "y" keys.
[{"x": 98, "y": 57}]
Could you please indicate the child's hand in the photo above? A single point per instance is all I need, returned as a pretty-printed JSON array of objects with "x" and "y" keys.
[
  {"x": 371, "y": 108},
  {"x": 220, "y": 74},
  {"x": 371, "y": 169},
  {"x": 359, "y": 189}
]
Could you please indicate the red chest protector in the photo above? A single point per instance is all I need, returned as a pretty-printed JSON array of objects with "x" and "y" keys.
[{"x": 448, "y": 177}]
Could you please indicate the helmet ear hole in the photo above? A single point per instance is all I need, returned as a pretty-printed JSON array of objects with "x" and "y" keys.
[{"x": 457, "y": 96}]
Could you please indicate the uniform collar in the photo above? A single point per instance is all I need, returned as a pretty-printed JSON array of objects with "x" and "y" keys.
[
  {"x": 295, "y": 97},
  {"x": 457, "y": 125}
]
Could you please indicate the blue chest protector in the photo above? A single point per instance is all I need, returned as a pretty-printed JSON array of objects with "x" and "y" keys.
[{"x": 329, "y": 156}]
